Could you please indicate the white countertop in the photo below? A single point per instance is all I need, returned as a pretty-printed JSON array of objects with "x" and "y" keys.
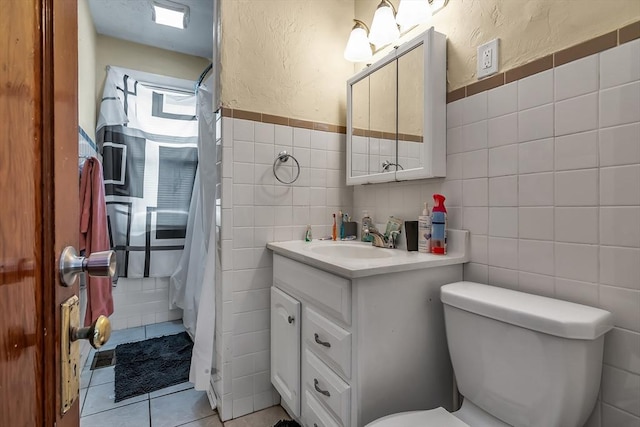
[{"x": 352, "y": 268}]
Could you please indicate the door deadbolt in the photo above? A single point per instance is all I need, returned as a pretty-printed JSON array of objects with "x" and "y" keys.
[{"x": 98, "y": 264}]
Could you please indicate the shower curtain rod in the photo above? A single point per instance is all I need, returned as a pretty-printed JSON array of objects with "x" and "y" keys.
[
  {"x": 204, "y": 74},
  {"x": 158, "y": 81}
]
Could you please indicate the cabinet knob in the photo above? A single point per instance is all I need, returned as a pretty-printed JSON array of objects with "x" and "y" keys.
[{"x": 290, "y": 319}]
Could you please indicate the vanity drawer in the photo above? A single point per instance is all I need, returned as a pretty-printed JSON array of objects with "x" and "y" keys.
[
  {"x": 328, "y": 340},
  {"x": 314, "y": 414},
  {"x": 327, "y": 387},
  {"x": 329, "y": 292}
]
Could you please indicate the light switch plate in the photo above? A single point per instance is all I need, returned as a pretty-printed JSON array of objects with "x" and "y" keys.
[{"x": 488, "y": 58}]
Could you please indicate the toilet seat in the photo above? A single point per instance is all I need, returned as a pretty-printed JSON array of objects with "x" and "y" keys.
[{"x": 438, "y": 417}]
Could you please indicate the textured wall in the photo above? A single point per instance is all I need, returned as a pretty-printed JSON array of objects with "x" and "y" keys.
[
  {"x": 528, "y": 29},
  {"x": 284, "y": 57},
  {"x": 86, "y": 70}
]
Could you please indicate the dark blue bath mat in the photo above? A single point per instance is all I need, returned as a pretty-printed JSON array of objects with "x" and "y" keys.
[
  {"x": 153, "y": 364},
  {"x": 286, "y": 423}
]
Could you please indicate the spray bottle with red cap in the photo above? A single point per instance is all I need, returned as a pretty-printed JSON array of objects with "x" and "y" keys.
[{"x": 439, "y": 226}]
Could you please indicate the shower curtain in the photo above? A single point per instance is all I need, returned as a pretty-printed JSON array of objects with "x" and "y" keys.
[
  {"x": 192, "y": 285},
  {"x": 148, "y": 139}
]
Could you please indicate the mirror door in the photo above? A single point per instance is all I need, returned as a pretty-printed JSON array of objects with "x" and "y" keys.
[
  {"x": 396, "y": 114},
  {"x": 411, "y": 109},
  {"x": 360, "y": 129},
  {"x": 383, "y": 120}
]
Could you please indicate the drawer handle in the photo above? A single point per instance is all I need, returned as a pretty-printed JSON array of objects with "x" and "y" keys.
[
  {"x": 324, "y": 343},
  {"x": 319, "y": 390},
  {"x": 290, "y": 319}
]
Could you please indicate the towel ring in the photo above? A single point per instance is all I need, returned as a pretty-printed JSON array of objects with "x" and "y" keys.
[{"x": 283, "y": 156}]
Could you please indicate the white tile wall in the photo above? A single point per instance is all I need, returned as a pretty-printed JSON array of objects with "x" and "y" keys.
[
  {"x": 560, "y": 212},
  {"x": 257, "y": 209},
  {"x": 139, "y": 302}
]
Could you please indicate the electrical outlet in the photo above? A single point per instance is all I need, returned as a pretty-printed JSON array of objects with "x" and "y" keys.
[{"x": 488, "y": 58}]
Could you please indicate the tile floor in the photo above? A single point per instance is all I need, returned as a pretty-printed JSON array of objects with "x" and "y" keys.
[{"x": 179, "y": 405}]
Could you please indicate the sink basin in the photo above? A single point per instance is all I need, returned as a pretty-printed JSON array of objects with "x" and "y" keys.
[{"x": 342, "y": 250}]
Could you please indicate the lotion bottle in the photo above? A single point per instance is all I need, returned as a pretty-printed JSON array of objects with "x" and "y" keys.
[
  {"x": 424, "y": 231},
  {"x": 439, "y": 226}
]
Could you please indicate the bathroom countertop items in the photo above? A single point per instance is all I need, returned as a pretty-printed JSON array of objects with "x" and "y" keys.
[{"x": 358, "y": 259}]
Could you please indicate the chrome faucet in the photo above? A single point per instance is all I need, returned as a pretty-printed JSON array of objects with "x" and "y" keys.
[{"x": 382, "y": 241}]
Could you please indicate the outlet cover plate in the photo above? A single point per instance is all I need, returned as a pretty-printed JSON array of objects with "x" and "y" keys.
[{"x": 487, "y": 58}]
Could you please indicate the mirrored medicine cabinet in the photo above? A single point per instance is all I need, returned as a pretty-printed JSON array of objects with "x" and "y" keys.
[{"x": 396, "y": 114}]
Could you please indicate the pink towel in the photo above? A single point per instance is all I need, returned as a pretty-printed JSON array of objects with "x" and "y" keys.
[{"x": 94, "y": 237}]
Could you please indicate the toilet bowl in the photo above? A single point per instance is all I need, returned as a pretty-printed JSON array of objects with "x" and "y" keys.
[
  {"x": 519, "y": 360},
  {"x": 468, "y": 415}
]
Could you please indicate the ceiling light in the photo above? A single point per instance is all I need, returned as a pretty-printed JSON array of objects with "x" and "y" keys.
[
  {"x": 412, "y": 13},
  {"x": 358, "y": 48},
  {"x": 384, "y": 29},
  {"x": 171, "y": 14}
]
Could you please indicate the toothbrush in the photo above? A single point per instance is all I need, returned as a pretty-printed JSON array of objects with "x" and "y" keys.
[{"x": 334, "y": 232}]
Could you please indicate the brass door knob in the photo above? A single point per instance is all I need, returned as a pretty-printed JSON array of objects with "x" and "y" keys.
[{"x": 98, "y": 333}]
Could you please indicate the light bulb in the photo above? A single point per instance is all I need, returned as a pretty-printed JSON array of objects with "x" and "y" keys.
[
  {"x": 412, "y": 13},
  {"x": 384, "y": 29},
  {"x": 358, "y": 48}
]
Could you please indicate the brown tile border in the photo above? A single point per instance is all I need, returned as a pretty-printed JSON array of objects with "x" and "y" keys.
[
  {"x": 628, "y": 33},
  {"x": 275, "y": 120},
  {"x": 407, "y": 137},
  {"x": 597, "y": 44},
  {"x": 454, "y": 95},
  {"x": 280, "y": 120},
  {"x": 247, "y": 115},
  {"x": 485, "y": 84},
  {"x": 534, "y": 67},
  {"x": 604, "y": 42},
  {"x": 300, "y": 124}
]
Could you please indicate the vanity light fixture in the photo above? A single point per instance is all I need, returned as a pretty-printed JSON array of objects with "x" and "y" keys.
[
  {"x": 412, "y": 12},
  {"x": 358, "y": 47},
  {"x": 170, "y": 13},
  {"x": 384, "y": 29}
]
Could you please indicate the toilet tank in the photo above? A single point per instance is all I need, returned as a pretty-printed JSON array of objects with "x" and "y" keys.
[{"x": 525, "y": 359}]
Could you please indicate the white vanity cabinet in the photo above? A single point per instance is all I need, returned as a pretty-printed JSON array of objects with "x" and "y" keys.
[
  {"x": 346, "y": 351},
  {"x": 285, "y": 348}
]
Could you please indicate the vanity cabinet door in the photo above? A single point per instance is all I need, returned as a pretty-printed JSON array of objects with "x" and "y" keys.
[{"x": 285, "y": 348}]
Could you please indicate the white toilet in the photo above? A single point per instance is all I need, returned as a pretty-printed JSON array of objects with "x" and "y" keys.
[{"x": 519, "y": 360}]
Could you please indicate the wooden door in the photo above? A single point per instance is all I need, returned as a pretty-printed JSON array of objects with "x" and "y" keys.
[
  {"x": 285, "y": 348},
  {"x": 38, "y": 203}
]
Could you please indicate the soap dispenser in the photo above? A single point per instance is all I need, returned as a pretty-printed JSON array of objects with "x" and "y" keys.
[{"x": 439, "y": 226}]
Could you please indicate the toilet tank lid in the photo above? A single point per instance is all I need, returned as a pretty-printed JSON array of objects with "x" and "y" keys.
[{"x": 551, "y": 316}]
